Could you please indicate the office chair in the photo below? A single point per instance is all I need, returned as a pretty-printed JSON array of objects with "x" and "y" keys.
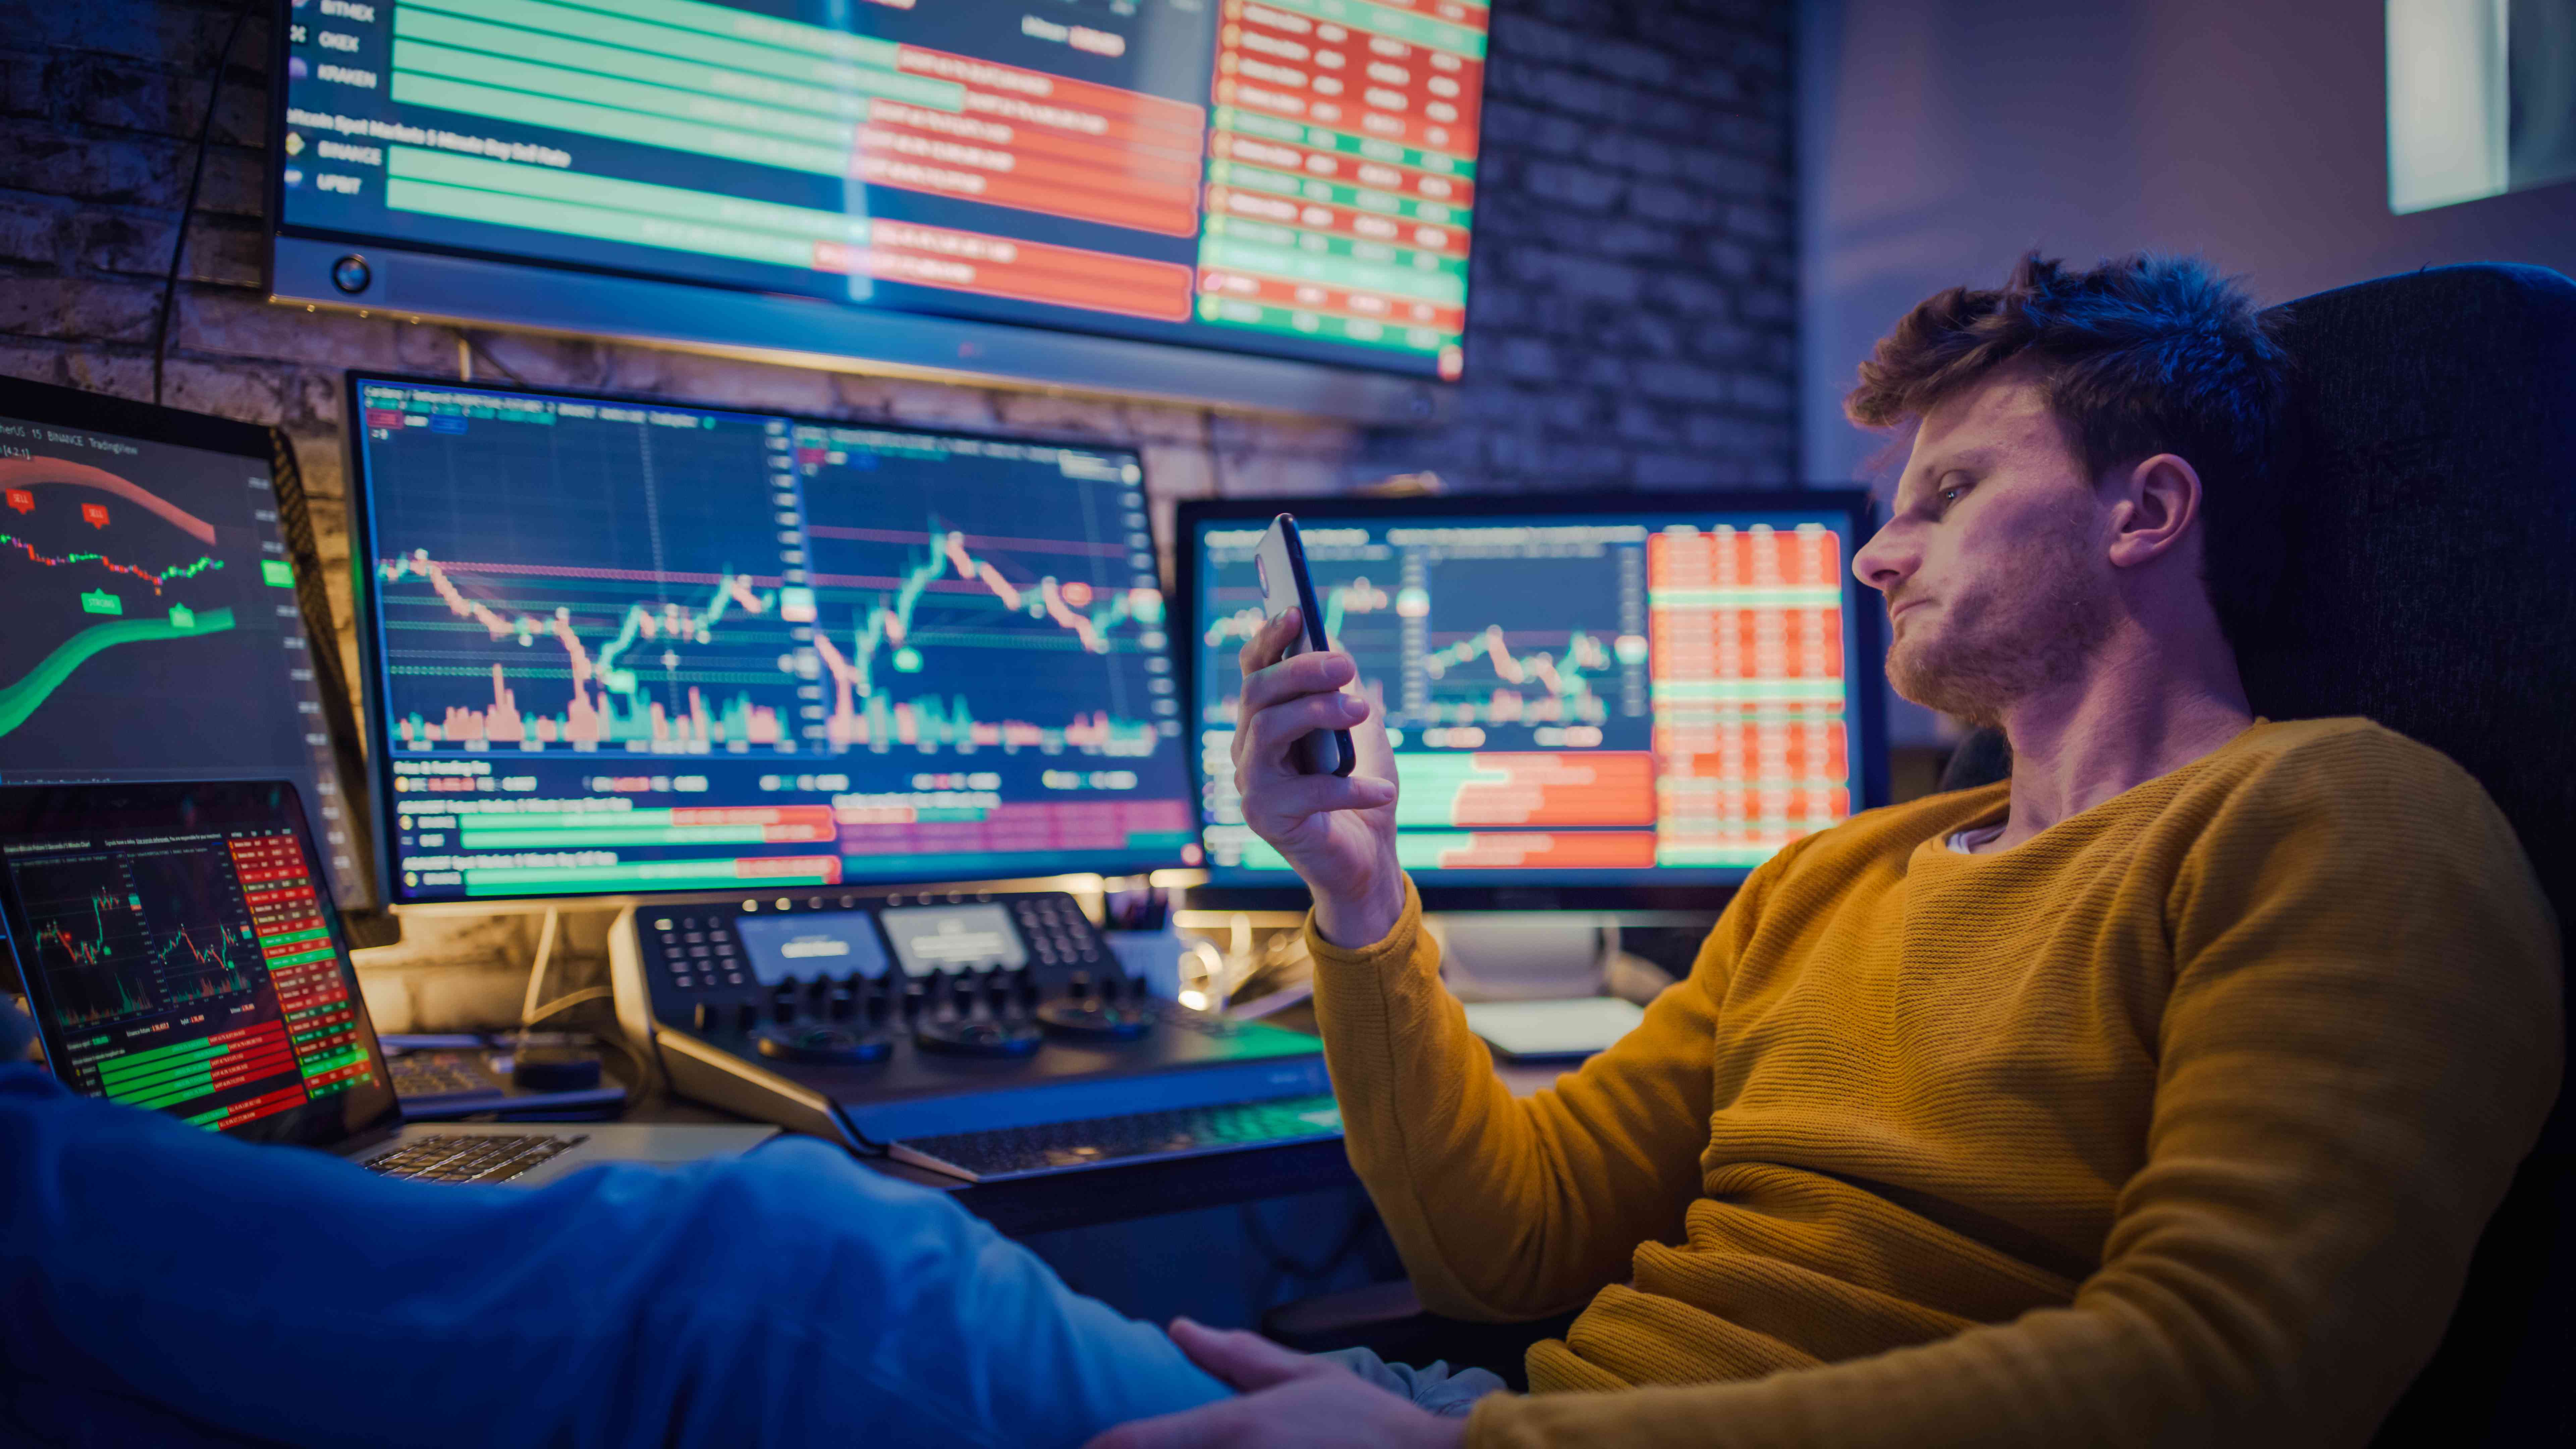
[{"x": 2426, "y": 530}]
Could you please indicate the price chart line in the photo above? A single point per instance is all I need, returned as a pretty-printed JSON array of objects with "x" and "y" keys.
[
  {"x": 889, "y": 622},
  {"x": 155, "y": 578},
  {"x": 1359, "y": 596},
  {"x": 1565, "y": 677},
  {"x": 860, "y": 713},
  {"x": 589, "y": 720}
]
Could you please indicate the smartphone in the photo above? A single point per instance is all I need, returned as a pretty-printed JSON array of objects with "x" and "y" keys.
[{"x": 1281, "y": 564}]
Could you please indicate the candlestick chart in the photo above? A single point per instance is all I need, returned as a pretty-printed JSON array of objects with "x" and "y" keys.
[
  {"x": 91, "y": 560},
  {"x": 148, "y": 621},
  {"x": 585, "y": 582},
  {"x": 979, "y": 607},
  {"x": 1493, "y": 645},
  {"x": 121, "y": 936},
  {"x": 839, "y": 652},
  {"x": 622, "y": 690},
  {"x": 1013, "y": 608}
]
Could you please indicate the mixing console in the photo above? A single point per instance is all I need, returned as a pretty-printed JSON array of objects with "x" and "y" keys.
[{"x": 882, "y": 1018}]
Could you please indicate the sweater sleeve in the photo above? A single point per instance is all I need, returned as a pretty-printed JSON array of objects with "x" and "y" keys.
[
  {"x": 1506, "y": 1208},
  {"x": 2361, "y": 1041}
]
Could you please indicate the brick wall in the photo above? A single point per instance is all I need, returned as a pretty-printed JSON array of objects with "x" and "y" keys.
[
  {"x": 1632, "y": 299},
  {"x": 1631, "y": 302}
]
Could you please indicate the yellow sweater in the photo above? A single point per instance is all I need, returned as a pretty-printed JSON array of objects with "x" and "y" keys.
[{"x": 2174, "y": 1124}]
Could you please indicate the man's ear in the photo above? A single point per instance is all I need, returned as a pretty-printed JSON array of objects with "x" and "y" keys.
[{"x": 2157, "y": 498}]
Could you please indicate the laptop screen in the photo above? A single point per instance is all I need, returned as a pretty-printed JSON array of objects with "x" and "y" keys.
[{"x": 180, "y": 952}]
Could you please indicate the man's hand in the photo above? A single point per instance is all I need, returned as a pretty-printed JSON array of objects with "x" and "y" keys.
[
  {"x": 1338, "y": 833},
  {"x": 1290, "y": 1401}
]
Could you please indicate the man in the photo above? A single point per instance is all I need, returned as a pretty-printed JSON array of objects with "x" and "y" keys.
[{"x": 2155, "y": 1096}]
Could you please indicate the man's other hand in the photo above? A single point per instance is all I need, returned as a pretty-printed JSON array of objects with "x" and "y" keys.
[
  {"x": 1289, "y": 1401},
  {"x": 1338, "y": 833}
]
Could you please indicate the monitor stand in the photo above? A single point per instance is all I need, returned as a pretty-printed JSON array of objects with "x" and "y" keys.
[{"x": 1520, "y": 956}]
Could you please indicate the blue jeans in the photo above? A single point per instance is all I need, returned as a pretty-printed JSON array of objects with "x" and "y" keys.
[
  {"x": 1448, "y": 1392},
  {"x": 169, "y": 1286},
  {"x": 166, "y": 1285}
]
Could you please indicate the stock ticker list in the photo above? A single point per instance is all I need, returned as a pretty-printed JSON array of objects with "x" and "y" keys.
[
  {"x": 1565, "y": 696},
  {"x": 629, "y": 648},
  {"x": 193, "y": 975},
  {"x": 1293, "y": 177}
]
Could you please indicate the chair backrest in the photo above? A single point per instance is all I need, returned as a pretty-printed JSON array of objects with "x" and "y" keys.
[
  {"x": 2431, "y": 585},
  {"x": 2430, "y": 514},
  {"x": 2428, "y": 581}
]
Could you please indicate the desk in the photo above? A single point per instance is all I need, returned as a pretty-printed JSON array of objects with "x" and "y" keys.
[
  {"x": 1147, "y": 1189},
  {"x": 1105, "y": 1195}
]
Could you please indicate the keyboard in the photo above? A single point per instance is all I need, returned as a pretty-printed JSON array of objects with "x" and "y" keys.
[
  {"x": 1003, "y": 1153},
  {"x": 462, "y": 1157},
  {"x": 436, "y": 1076}
]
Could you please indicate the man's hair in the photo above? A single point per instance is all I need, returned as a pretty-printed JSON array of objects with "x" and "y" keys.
[{"x": 2141, "y": 355}]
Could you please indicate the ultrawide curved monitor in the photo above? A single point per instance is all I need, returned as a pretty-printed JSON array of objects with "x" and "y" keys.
[
  {"x": 621, "y": 648},
  {"x": 1612, "y": 701},
  {"x": 1281, "y": 188}
]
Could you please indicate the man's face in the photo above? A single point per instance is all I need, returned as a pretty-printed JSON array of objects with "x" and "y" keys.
[{"x": 1993, "y": 561}]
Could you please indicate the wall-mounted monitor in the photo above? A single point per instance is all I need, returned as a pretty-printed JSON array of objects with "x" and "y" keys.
[
  {"x": 1260, "y": 202},
  {"x": 1612, "y": 701},
  {"x": 620, "y": 648}
]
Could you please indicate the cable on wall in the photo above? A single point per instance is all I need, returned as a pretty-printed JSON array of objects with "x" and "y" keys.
[{"x": 188, "y": 209}]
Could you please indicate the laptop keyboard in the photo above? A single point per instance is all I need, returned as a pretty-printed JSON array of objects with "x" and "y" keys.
[
  {"x": 463, "y": 1157},
  {"x": 1008, "y": 1152},
  {"x": 420, "y": 1076}
]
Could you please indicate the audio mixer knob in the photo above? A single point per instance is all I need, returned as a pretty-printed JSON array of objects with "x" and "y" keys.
[{"x": 746, "y": 1015}]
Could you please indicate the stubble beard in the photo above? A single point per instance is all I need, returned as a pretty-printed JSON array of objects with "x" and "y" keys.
[{"x": 2031, "y": 628}]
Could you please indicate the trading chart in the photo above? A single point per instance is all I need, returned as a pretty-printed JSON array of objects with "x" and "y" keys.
[
  {"x": 634, "y": 648},
  {"x": 152, "y": 630},
  {"x": 195, "y": 975},
  {"x": 992, "y": 606},
  {"x": 1563, "y": 695},
  {"x": 1296, "y": 178},
  {"x": 615, "y": 580}
]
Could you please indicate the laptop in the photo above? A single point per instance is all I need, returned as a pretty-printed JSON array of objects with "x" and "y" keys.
[{"x": 179, "y": 951}]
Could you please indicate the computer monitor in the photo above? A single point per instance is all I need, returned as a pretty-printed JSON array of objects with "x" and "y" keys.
[
  {"x": 622, "y": 648},
  {"x": 1595, "y": 701},
  {"x": 153, "y": 630}
]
